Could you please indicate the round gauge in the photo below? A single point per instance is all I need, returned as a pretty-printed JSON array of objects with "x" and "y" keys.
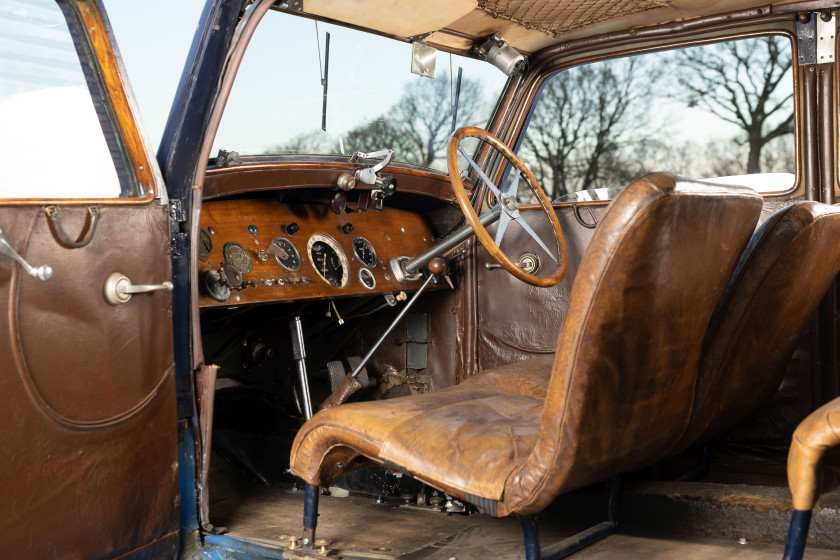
[
  {"x": 328, "y": 261},
  {"x": 238, "y": 256},
  {"x": 364, "y": 251},
  {"x": 366, "y": 276},
  {"x": 285, "y": 253}
]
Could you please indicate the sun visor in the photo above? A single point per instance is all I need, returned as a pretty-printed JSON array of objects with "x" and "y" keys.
[{"x": 404, "y": 18}]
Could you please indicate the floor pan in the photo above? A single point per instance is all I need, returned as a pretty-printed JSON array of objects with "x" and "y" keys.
[{"x": 360, "y": 528}]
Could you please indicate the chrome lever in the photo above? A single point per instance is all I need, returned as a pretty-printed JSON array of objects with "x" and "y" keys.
[
  {"x": 119, "y": 289},
  {"x": 43, "y": 272}
]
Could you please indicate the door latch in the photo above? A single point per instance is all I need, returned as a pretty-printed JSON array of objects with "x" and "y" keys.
[{"x": 119, "y": 289}]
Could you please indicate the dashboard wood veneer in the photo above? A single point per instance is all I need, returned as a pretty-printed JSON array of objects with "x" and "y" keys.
[{"x": 392, "y": 233}]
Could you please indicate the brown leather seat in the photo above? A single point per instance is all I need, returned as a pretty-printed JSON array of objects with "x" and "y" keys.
[
  {"x": 622, "y": 380},
  {"x": 780, "y": 279}
]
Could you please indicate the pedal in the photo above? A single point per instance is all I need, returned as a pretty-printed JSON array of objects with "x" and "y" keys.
[
  {"x": 362, "y": 378},
  {"x": 337, "y": 373}
]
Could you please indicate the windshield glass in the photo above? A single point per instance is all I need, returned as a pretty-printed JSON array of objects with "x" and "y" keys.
[{"x": 374, "y": 101}]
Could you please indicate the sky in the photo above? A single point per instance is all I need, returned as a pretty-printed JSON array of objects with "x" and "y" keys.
[
  {"x": 278, "y": 93},
  {"x": 154, "y": 41}
]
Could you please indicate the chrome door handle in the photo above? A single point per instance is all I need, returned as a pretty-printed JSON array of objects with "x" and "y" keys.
[
  {"x": 43, "y": 272},
  {"x": 119, "y": 289}
]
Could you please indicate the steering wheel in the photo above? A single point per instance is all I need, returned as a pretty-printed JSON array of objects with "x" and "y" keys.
[{"x": 507, "y": 207}]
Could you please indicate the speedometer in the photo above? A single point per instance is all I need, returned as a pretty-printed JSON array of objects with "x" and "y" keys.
[{"x": 328, "y": 260}]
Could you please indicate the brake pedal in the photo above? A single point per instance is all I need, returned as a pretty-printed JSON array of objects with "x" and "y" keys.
[
  {"x": 338, "y": 373},
  {"x": 362, "y": 378}
]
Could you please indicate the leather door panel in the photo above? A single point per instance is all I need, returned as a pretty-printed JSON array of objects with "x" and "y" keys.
[
  {"x": 87, "y": 397},
  {"x": 518, "y": 321}
]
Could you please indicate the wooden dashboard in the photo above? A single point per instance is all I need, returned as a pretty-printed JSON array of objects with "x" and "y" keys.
[{"x": 338, "y": 255}]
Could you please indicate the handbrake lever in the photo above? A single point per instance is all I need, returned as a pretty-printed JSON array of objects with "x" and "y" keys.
[{"x": 350, "y": 384}]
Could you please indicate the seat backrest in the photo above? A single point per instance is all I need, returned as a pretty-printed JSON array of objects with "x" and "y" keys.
[
  {"x": 624, "y": 374},
  {"x": 780, "y": 279}
]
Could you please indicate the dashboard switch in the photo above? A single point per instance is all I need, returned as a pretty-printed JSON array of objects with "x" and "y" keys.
[
  {"x": 292, "y": 228},
  {"x": 346, "y": 228}
]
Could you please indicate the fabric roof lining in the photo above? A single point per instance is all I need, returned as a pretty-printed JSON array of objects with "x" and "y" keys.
[{"x": 556, "y": 17}]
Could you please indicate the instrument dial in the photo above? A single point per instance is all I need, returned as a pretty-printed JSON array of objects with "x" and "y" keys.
[
  {"x": 285, "y": 254},
  {"x": 328, "y": 260},
  {"x": 238, "y": 256},
  {"x": 366, "y": 276},
  {"x": 364, "y": 251}
]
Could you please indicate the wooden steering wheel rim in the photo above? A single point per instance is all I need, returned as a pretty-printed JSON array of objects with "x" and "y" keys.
[{"x": 478, "y": 228}]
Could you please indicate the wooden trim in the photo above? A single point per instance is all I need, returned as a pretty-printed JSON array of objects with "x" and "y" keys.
[{"x": 262, "y": 176}]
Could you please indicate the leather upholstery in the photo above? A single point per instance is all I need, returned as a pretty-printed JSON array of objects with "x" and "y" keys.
[
  {"x": 754, "y": 331},
  {"x": 809, "y": 473},
  {"x": 621, "y": 382}
]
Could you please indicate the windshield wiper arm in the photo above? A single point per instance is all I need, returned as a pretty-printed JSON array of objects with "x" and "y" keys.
[{"x": 325, "y": 82}]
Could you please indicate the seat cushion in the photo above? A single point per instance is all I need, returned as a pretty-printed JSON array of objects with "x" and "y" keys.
[
  {"x": 527, "y": 378},
  {"x": 464, "y": 440}
]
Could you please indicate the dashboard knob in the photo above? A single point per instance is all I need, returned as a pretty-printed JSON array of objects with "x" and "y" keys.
[
  {"x": 346, "y": 228},
  {"x": 437, "y": 266},
  {"x": 292, "y": 228}
]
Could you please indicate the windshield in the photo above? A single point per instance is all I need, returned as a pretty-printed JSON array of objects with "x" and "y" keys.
[{"x": 374, "y": 101}]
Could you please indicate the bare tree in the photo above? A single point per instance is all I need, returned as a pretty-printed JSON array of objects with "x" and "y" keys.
[
  {"x": 746, "y": 83},
  {"x": 587, "y": 130},
  {"x": 418, "y": 126}
]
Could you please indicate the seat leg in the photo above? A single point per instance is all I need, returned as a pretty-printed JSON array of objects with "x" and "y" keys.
[
  {"x": 576, "y": 542},
  {"x": 797, "y": 535},
  {"x": 310, "y": 515},
  {"x": 531, "y": 534}
]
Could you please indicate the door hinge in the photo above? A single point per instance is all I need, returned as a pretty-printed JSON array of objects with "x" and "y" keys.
[
  {"x": 815, "y": 37},
  {"x": 176, "y": 211}
]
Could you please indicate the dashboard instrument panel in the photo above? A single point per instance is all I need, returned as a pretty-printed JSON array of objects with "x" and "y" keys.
[{"x": 289, "y": 252}]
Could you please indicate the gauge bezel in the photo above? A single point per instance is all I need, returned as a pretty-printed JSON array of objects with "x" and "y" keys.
[
  {"x": 345, "y": 264},
  {"x": 363, "y": 271},
  {"x": 226, "y": 252},
  {"x": 372, "y": 250},
  {"x": 296, "y": 252}
]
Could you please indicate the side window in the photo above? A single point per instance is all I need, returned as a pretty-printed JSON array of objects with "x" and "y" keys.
[
  {"x": 56, "y": 139},
  {"x": 721, "y": 111}
]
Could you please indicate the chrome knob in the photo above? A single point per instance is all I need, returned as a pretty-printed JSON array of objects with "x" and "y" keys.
[{"x": 43, "y": 272}]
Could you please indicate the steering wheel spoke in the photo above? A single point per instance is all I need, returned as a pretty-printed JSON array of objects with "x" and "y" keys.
[
  {"x": 507, "y": 208},
  {"x": 536, "y": 237},
  {"x": 504, "y": 220},
  {"x": 481, "y": 174}
]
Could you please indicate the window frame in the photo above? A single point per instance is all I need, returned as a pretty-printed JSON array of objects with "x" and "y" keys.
[
  {"x": 106, "y": 78},
  {"x": 562, "y": 63}
]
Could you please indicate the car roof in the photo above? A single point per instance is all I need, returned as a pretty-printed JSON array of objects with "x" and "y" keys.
[{"x": 528, "y": 25}]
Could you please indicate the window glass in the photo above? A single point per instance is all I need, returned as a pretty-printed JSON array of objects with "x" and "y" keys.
[
  {"x": 722, "y": 111},
  {"x": 373, "y": 101},
  {"x": 52, "y": 143}
]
